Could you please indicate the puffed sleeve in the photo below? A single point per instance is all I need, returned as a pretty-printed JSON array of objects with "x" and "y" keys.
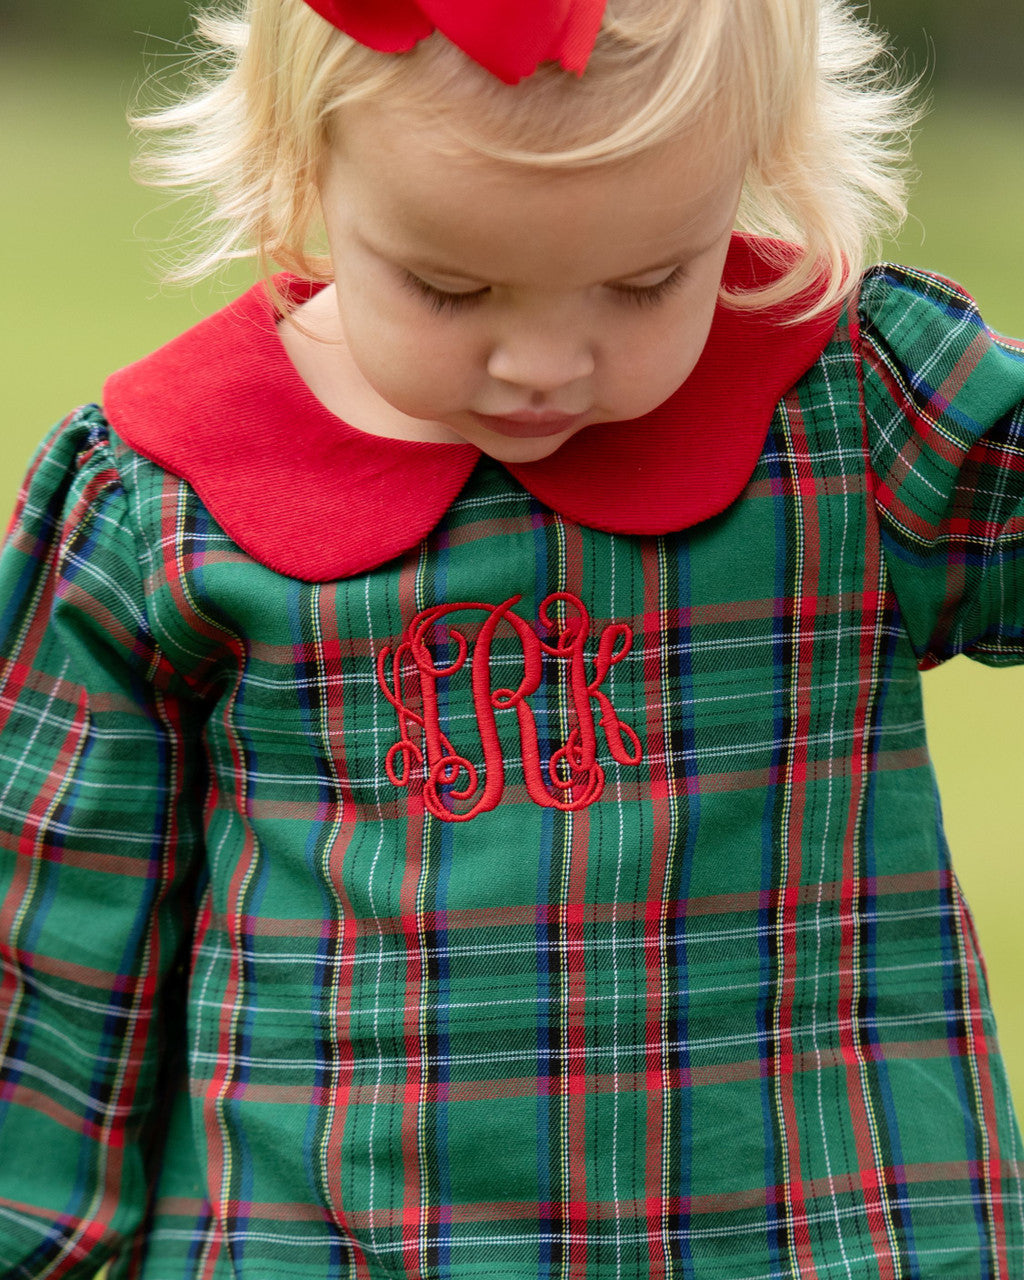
[
  {"x": 944, "y": 403},
  {"x": 100, "y": 794}
]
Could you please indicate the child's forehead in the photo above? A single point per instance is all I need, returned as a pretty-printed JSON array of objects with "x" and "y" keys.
[
  {"x": 386, "y": 140},
  {"x": 412, "y": 193}
]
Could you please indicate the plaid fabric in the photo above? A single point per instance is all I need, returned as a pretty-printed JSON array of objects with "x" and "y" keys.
[{"x": 546, "y": 903}]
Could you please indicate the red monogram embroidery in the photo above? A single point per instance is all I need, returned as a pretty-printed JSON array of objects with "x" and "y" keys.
[{"x": 573, "y": 778}]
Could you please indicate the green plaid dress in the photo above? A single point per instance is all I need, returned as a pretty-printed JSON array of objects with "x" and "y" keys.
[{"x": 544, "y": 902}]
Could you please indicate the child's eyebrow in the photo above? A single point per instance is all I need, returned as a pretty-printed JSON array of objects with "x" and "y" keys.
[
  {"x": 416, "y": 264},
  {"x": 677, "y": 260}
]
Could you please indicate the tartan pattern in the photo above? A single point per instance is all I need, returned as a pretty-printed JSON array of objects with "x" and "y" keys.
[{"x": 729, "y": 1020}]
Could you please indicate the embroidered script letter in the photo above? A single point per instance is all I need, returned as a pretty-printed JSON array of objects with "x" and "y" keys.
[{"x": 455, "y": 788}]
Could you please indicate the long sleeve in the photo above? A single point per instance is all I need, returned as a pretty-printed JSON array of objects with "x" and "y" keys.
[
  {"x": 100, "y": 796},
  {"x": 944, "y": 400}
]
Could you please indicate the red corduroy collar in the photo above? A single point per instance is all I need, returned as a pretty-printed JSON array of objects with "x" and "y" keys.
[{"x": 311, "y": 497}]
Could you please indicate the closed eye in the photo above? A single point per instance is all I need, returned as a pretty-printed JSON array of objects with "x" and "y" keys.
[
  {"x": 442, "y": 300},
  {"x": 649, "y": 295}
]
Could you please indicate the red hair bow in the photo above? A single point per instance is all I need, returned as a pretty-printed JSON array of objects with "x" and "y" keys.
[{"x": 509, "y": 38}]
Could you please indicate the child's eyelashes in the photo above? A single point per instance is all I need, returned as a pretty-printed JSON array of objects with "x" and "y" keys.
[
  {"x": 442, "y": 300},
  {"x": 648, "y": 295}
]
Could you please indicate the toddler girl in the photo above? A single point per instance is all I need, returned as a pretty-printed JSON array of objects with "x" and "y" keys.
[{"x": 465, "y": 803}]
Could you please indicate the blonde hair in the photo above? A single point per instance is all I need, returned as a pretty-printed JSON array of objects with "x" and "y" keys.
[{"x": 804, "y": 86}]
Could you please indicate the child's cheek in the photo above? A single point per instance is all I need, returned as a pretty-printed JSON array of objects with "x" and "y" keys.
[
  {"x": 405, "y": 354},
  {"x": 645, "y": 371}
]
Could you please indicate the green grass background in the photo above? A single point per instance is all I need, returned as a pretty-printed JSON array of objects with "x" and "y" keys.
[{"x": 82, "y": 298}]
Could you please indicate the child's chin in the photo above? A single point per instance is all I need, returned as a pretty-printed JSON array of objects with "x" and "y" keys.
[{"x": 522, "y": 449}]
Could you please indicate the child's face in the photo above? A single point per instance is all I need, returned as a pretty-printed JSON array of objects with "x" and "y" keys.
[{"x": 513, "y": 308}]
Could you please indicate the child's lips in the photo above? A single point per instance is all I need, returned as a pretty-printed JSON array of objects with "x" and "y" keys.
[{"x": 528, "y": 425}]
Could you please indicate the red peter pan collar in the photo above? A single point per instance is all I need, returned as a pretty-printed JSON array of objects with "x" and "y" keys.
[{"x": 306, "y": 494}]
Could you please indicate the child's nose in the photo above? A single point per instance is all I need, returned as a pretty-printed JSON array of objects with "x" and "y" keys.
[{"x": 542, "y": 359}]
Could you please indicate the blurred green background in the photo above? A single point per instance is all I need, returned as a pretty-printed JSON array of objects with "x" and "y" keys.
[{"x": 81, "y": 258}]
